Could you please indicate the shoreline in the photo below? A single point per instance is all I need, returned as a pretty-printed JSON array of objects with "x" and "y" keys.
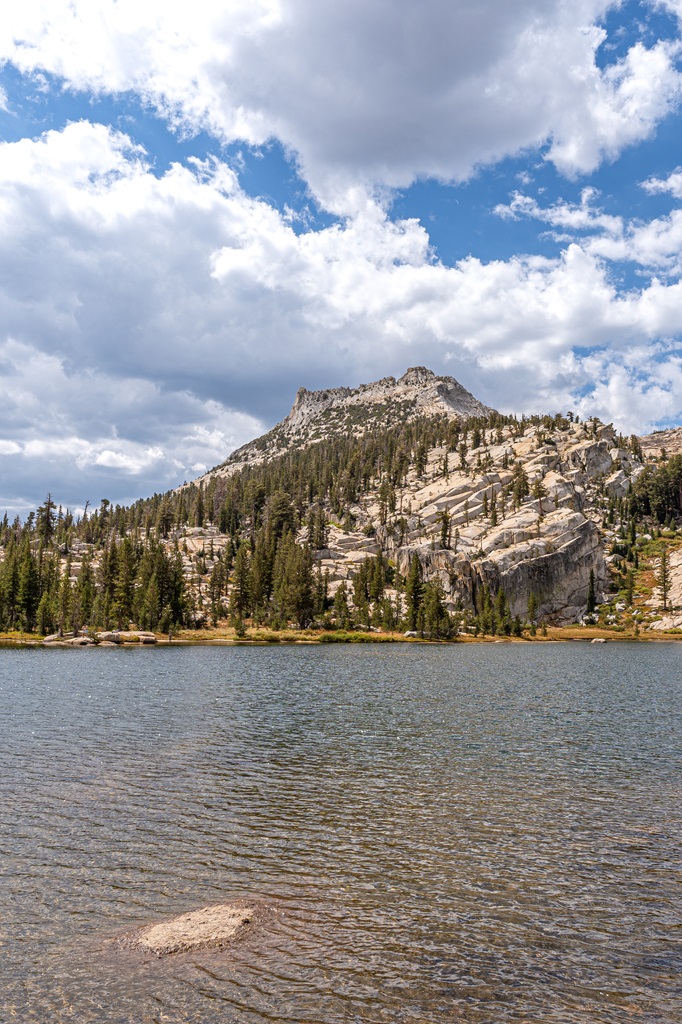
[{"x": 263, "y": 638}]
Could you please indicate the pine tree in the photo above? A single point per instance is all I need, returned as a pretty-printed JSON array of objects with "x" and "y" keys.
[
  {"x": 591, "y": 594},
  {"x": 413, "y": 591},
  {"x": 45, "y": 616},
  {"x": 240, "y": 598},
  {"x": 28, "y": 594},
  {"x": 532, "y": 611},
  {"x": 443, "y": 518},
  {"x": 663, "y": 577},
  {"x": 341, "y": 610},
  {"x": 435, "y": 617},
  {"x": 85, "y": 589},
  {"x": 45, "y": 520}
]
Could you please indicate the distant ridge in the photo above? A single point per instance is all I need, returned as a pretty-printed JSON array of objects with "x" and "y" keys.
[
  {"x": 669, "y": 441},
  {"x": 316, "y": 415}
]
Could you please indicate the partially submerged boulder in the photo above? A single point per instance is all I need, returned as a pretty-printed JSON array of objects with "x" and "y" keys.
[
  {"x": 141, "y": 636},
  {"x": 207, "y": 928}
]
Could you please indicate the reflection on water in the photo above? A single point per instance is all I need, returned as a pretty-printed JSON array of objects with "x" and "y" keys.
[{"x": 484, "y": 833}]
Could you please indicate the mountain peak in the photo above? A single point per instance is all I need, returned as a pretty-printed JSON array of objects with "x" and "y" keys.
[
  {"x": 316, "y": 415},
  {"x": 417, "y": 375}
]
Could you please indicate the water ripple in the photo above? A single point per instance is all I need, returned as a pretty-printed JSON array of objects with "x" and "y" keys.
[{"x": 484, "y": 834}]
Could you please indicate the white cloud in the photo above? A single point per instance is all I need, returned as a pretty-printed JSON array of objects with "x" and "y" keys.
[
  {"x": 581, "y": 216},
  {"x": 141, "y": 313},
  {"x": 620, "y": 106},
  {"x": 655, "y": 245},
  {"x": 77, "y": 433},
  {"x": 671, "y": 184},
  {"x": 364, "y": 94}
]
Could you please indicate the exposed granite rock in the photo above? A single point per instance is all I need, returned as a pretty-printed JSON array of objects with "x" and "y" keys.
[
  {"x": 548, "y": 546},
  {"x": 140, "y": 635},
  {"x": 68, "y": 640},
  {"x": 207, "y": 928},
  {"x": 318, "y": 414},
  {"x": 668, "y": 440},
  {"x": 551, "y": 556}
]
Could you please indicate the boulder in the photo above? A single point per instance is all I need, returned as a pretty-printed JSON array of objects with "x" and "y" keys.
[
  {"x": 142, "y": 636},
  {"x": 109, "y": 637},
  {"x": 209, "y": 927},
  {"x": 617, "y": 484}
]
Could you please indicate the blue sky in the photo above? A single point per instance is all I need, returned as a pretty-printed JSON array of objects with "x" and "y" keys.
[{"x": 204, "y": 210}]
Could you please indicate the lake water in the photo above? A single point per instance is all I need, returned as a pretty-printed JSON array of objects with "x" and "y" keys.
[{"x": 471, "y": 833}]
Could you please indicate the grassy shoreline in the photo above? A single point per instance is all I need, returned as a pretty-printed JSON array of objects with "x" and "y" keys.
[{"x": 225, "y": 636}]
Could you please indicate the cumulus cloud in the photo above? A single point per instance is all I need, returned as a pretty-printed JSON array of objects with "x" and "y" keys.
[
  {"x": 79, "y": 431},
  {"x": 150, "y": 324},
  {"x": 672, "y": 184},
  {"x": 621, "y": 105},
  {"x": 654, "y": 244},
  {"x": 364, "y": 94},
  {"x": 581, "y": 216}
]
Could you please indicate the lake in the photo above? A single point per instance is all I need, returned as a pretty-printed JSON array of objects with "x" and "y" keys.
[{"x": 471, "y": 833}]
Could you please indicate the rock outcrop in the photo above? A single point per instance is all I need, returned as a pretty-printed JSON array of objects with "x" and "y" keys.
[
  {"x": 319, "y": 414},
  {"x": 207, "y": 928},
  {"x": 546, "y": 545},
  {"x": 669, "y": 441}
]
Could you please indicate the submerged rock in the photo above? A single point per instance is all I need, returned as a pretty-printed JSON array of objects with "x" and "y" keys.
[{"x": 206, "y": 928}]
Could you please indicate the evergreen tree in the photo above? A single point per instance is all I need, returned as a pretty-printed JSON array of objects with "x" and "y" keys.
[
  {"x": 443, "y": 518},
  {"x": 85, "y": 589},
  {"x": 532, "y": 611},
  {"x": 591, "y": 594},
  {"x": 436, "y": 621},
  {"x": 663, "y": 577},
  {"x": 240, "y": 598},
  {"x": 45, "y": 520},
  {"x": 414, "y": 591},
  {"x": 28, "y": 593}
]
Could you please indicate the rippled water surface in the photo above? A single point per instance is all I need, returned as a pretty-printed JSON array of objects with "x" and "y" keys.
[{"x": 475, "y": 833}]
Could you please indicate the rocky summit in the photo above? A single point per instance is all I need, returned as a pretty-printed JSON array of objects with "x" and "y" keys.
[{"x": 316, "y": 415}]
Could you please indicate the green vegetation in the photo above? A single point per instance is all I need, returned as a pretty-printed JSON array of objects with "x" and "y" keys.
[{"x": 153, "y": 564}]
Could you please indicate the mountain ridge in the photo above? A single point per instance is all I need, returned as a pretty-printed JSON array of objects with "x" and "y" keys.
[
  {"x": 330, "y": 411},
  {"x": 401, "y": 504}
]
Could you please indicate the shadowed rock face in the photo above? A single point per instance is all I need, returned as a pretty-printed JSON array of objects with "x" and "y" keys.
[{"x": 206, "y": 928}]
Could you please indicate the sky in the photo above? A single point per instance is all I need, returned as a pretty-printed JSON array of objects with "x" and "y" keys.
[{"x": 207, "y": 206}]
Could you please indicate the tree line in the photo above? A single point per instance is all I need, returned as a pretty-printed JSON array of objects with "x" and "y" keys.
[{"x": 115, "y": 564}]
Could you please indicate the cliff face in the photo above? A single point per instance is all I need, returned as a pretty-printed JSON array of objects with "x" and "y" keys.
[
  {"x": 547, "y": 544},
  {"x": 418, "y": 392}
]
